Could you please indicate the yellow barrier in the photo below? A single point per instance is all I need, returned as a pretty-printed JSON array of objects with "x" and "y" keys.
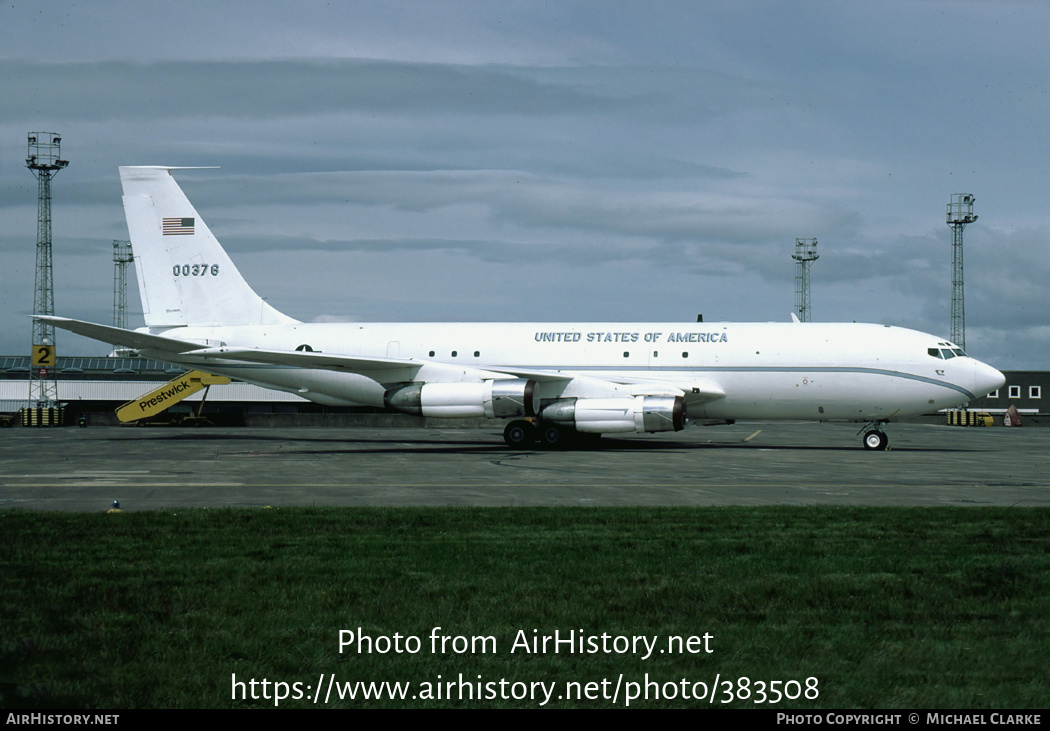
[
  {"x": 43, "y": 416},
  {"x": 970, "y": 418}
]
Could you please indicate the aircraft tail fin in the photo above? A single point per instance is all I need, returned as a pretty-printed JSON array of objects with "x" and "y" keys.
[{"x": 185, "y": 277}]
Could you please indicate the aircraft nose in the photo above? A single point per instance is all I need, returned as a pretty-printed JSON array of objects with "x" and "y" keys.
[{"x": 986, "y": 379}]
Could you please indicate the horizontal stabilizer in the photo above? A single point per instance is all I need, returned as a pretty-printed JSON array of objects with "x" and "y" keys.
[{"x": 119, "y": 336}]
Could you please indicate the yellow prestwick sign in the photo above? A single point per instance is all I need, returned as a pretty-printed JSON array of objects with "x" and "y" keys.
[{"x": 167, "y": 395}]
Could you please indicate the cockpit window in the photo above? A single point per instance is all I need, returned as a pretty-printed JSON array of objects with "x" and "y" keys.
[{"x": 946, "y": 353}]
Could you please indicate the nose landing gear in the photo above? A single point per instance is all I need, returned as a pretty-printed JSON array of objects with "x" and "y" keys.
[{"x": 875, "y": 438}]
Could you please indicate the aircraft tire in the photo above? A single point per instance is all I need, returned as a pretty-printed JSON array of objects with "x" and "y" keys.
[
  {"x": 553, "y": 436},
  {"x": 876, "y": 440},
  {"x": 519, "y": 433}
]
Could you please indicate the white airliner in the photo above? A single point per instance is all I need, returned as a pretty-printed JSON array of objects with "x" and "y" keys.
[{"x": 554, "y": 380}]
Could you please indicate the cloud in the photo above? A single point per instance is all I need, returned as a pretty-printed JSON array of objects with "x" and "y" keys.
[
  {"x": 279, "y": 89},
  {"x": 468, "y": 160}
]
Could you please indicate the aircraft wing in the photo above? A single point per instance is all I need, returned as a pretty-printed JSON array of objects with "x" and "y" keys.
[
  {"x": 381, "y": 369},
  {"x": 306, "y": 359},
  {"x": 384, "y": 369},
  {"x": 375, "y": 367}
]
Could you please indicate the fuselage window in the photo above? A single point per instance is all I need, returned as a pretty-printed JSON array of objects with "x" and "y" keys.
[
  {"x": 477, "y": 353},
  {"x": 685, "y": 355},
  {"x": 455, "y": 353},
  {"x": 431, "y": 353}
]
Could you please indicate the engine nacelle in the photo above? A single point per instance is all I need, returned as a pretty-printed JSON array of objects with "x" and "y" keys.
[
  {"x": 495, "y": 399},
  {"x": 608, "y": 415}
]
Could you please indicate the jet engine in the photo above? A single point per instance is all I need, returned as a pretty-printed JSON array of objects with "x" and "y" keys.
[
  {"x": 494, "y": 399},
  {"x": 607, "y": 415}
]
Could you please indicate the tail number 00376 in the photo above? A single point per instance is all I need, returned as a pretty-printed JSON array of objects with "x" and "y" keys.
[{"x": 195, "y": 270}]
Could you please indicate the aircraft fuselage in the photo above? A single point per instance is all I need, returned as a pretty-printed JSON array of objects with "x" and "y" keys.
[{"x": 726, "y": 370}]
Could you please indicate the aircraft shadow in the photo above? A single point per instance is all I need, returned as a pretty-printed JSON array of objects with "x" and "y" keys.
[{"x": 496, "y": 446}]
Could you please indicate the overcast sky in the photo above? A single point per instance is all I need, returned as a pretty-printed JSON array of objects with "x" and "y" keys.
[{"x": 612, "y": 161}]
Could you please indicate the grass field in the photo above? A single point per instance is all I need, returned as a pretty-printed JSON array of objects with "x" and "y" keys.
[{"x": 883, "y": 607}]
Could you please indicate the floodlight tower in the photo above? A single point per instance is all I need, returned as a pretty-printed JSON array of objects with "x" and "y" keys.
[
  {"x": 960, "y": 213},
  {"x": 44, "y": 161},
  {"x": 804, "y": 256},
  {"x": 122, "y": 256}
]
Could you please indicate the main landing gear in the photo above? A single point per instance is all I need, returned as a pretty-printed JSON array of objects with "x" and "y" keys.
[
  {"x": 519, "y": 433},
  {"x": 875, "y": 438},
  {"x": 522, "y": 434}
]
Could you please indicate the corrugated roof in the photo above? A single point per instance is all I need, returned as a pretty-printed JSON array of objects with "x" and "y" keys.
[{"x": 100, "y": 364}]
